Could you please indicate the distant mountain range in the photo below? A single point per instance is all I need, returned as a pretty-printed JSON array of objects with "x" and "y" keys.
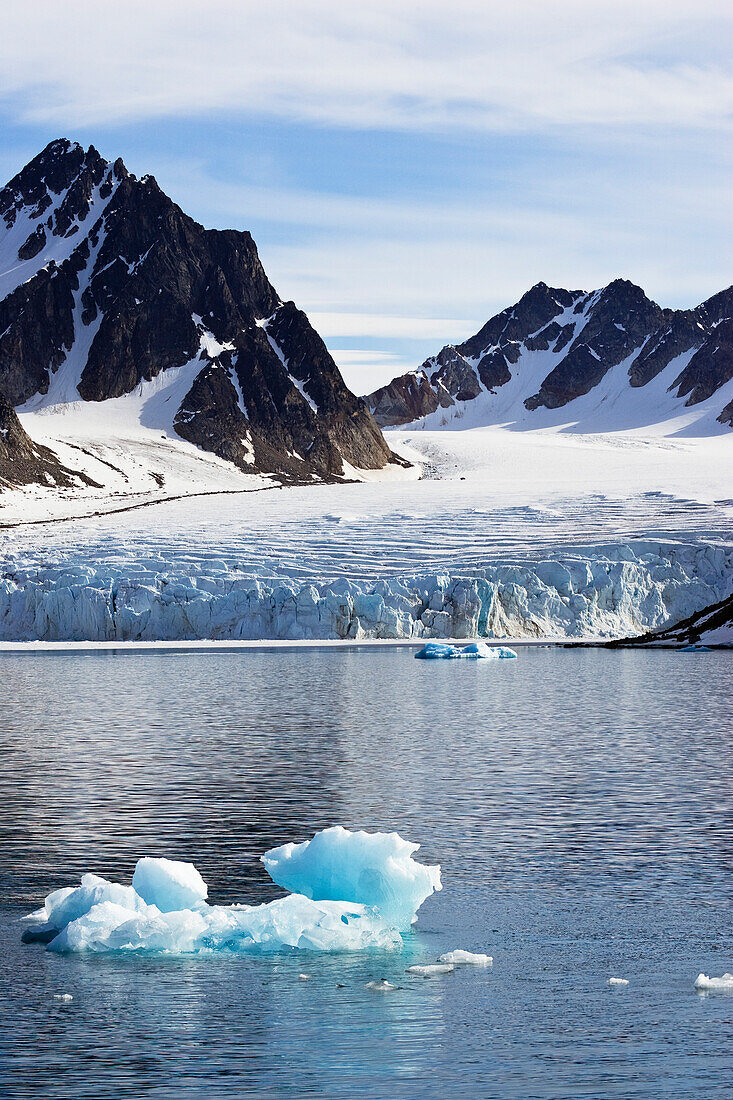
[
  {"x": 116, "y": 305},
  {"x": 106, "y": 285},
  {"x": 610, "y": 359}
]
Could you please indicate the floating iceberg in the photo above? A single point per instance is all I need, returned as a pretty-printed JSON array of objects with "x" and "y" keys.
[
  {"x": 372, "y": 868},
  {"x": 442, "y": 651},
  {"x": 724, "y": 984},
  {"x": 466, "y": 958},
  {"x": 695, "y": 647},
  {"x": 431, "y": 970},
  {"x": 351, "y": 891}
]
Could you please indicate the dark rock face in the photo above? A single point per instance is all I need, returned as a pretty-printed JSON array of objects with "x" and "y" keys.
[
  {"x": 118, "y": 285},
  {"x": 23, "y": 462},
  {"x": 582, "y": 336},
  {"x": 406, "y": 398},
  {"x": 603, "y": 342}
]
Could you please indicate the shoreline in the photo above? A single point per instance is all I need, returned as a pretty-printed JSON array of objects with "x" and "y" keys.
[
  {"x": 264, "y": 643},
  {"x": 217, "y": 645}
]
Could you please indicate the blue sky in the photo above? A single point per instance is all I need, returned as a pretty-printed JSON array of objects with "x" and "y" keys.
[{"x": 407, "y": 169}]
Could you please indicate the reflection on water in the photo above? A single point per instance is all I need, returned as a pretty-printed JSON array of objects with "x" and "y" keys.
[{"x": 579, "y": 802}]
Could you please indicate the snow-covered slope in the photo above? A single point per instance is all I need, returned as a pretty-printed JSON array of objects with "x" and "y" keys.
[
  {"x": 610, "y": 360},
  {"x": 109, "y": 291}
]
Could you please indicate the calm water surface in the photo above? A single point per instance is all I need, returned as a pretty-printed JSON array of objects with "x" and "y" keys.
[{"x": 580, "y": 803}]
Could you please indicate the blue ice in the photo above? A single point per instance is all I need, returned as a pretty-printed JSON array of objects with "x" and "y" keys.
[
  {"x": 349, "y": 891},
  {"x": 442, "y": 651}
]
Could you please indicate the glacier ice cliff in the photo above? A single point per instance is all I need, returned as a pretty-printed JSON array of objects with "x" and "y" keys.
[
  {"x": 353, "y": 890},
  {"x": 597, "y": 591}
]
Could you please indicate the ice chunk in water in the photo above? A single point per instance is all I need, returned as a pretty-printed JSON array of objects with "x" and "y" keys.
[
  {"x": 381, "y": 985},
  {"x": 356, "y": 891},
  {"x": 618, "y": 981},
  {"x": 376, "y": 869},
  {"x": 466, "y": 958},
  {"x": 169, "y": 884},
  {"x": 68, "y": 904},
  {"x": 431, "y": 970},
  {"x": 441, "y": 651},
  {"x": 724, "y": 984}
]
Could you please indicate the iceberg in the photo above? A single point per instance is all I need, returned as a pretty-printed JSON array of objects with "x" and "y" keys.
[
  {"x": 372, "y": 868},
  {"x": 349, "y": 892},
  {"x": 721, "y": 985},
  {"x": 442, "y": 651},
  {"x": 431, "y": 970},
  {"x": 466, "y": 958}
]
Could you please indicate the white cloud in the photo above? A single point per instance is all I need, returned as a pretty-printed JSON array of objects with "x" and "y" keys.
[
  {"x": 622, "y": 107},
  {"x": 418, "y": 64},
  {"x": 364, "y": 371}
]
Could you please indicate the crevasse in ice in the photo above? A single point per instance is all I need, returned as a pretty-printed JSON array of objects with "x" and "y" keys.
[{"x": 351, "y": 891}]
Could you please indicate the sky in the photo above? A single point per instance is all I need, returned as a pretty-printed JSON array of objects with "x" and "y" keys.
[{"x": 407, "y": 169}]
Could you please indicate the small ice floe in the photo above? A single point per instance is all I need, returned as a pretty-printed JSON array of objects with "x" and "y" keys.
[
  {"x": 304, "y": 977},
  {"x": 695, "y": 647},
  {"x": 724, "y": 984},
  {"x": 618, "y": 981},
  {"x": 64, "y": 997},
  {"x": 381, "y": 985},
  {"x": 442, "y": 651},
  {"x": 466, "y": 958},
  {"x": 431, "y": 970}
]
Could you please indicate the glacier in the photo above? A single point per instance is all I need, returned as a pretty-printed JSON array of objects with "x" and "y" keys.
[
  {"x": 593, "y": 591},
  {"x": 351, "y": 891}
]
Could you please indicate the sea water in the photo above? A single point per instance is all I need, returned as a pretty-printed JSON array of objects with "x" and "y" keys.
[{"x": 579, "y": 803}]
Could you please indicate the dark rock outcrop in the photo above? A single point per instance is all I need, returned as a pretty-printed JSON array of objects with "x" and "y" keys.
[
  {"x": 117, "y": 284},
  {"x": 581, "y": 337}
]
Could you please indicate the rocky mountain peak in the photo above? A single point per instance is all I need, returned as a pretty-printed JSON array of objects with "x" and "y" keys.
[{"x": 106, "y": 284}]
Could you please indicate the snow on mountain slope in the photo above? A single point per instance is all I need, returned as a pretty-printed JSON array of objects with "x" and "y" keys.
[{"x": 611, "y": 360}]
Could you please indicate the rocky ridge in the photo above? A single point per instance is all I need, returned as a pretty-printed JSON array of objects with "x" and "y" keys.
[{"x": 556, "y": 346}]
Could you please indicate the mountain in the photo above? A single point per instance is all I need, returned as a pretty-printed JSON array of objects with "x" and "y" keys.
[
  {"x": 611, "y": 359},
  {"x": 107, "y": 289}
]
